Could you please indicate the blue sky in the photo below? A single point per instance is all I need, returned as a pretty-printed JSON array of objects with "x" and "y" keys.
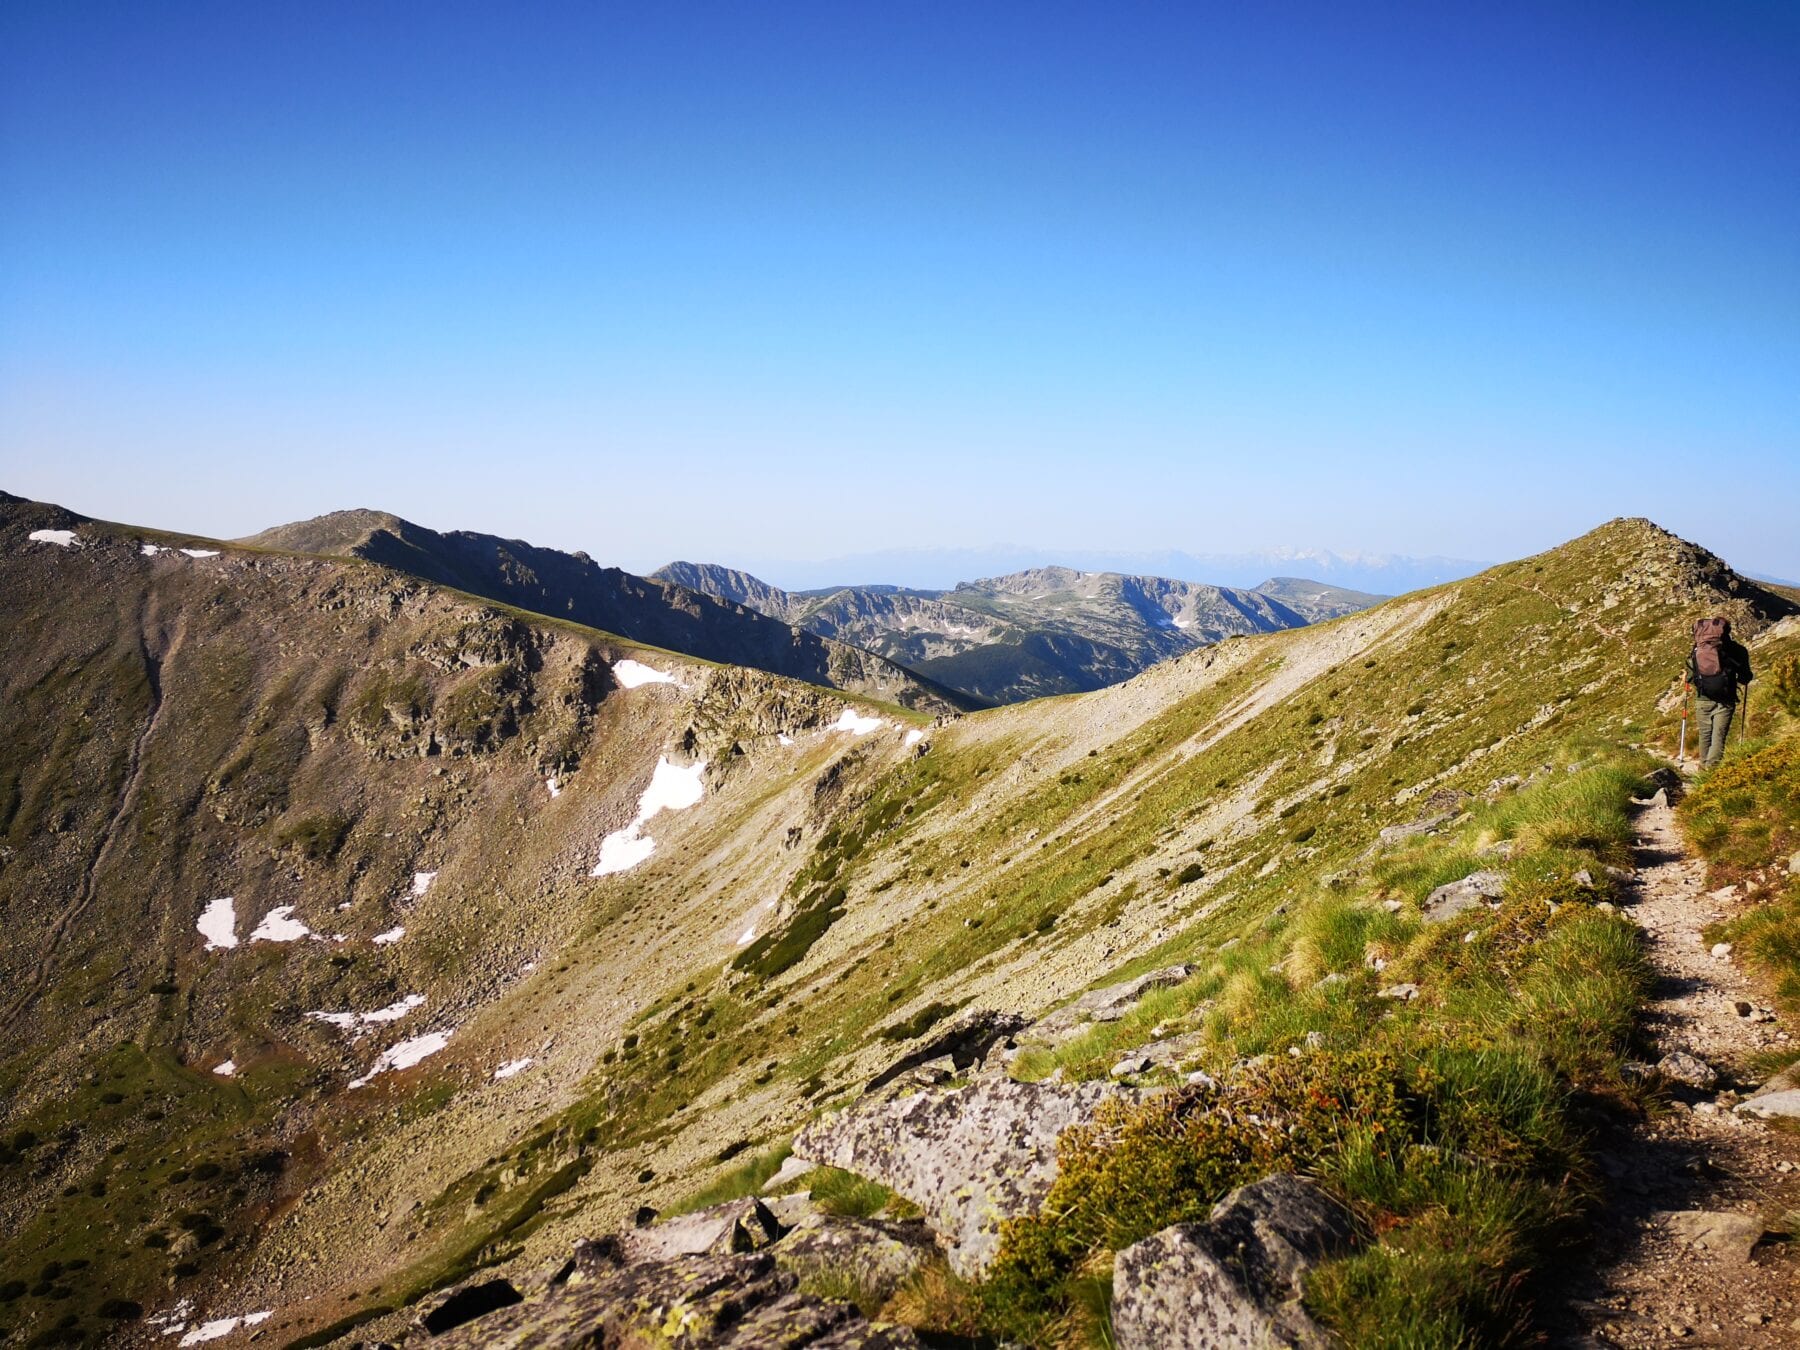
[{"x": 734, "y": 281}]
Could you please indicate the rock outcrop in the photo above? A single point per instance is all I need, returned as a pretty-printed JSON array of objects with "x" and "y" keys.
[
  {"x": 1234, "y": 1280},
  {"x": 877, "y": 1255},
  {"x": 970, "y": 1158},
  {"x": 737, "y": 1302},
  {"x": 1475, "y": 891}
]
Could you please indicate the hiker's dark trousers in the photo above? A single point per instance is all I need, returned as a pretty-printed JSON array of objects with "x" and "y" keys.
[{"x": 1711, "y": 722}]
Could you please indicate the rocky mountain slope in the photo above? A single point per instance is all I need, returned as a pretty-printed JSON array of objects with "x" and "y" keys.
[
  {"x": 367, "y": 940},
  {"x": 573, "y": 586},
  {"x": 1047, "y": 630}
]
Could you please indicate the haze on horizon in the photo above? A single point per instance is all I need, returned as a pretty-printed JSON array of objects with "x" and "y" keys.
[{"x": 803, "y": 282}]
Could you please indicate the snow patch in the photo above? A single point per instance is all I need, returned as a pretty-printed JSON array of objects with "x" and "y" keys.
[
  {"x": 784, "y": 739},
  {"x": 201, "y": 552},
  {"x": 913, "y": 737},
  {"x": 405, "y": 1055},
  {"x": 61, "y": 538},
  {"x": 148, "y": 550},
  {"x": 347, "y": 1021},
  {"x": 280, "y": 925},
  {"x": 219, "y": 1327},
  {"x": 631, "y": 674},
  {"x": 422, "y": 882},
  {"x": 218, "y": 925},
  {"x": 855, "y": 725},
  {"x": 513, "y": 1066},
  {"x": 392, "y": 935},
  {"x": 672, "y": 788},
  {"x": 342, "y": 1021},
  {"x": 227, "y": 1070},
  {"x": 554, "y": 787}
]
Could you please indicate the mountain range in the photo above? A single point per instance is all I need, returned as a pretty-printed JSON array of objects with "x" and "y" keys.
[
  {"x": 388, "y": 960},
  {"x": 1049, "y": 630}
]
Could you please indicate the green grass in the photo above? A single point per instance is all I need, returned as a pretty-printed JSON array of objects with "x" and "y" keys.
[{"x": 1450, "y": 1124}]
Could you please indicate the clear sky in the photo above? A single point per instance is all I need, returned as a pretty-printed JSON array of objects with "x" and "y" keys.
[{"x": 723, "y": 281}]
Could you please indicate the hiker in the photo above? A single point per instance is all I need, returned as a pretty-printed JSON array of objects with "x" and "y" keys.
[{"x": 1716, "y": 667}]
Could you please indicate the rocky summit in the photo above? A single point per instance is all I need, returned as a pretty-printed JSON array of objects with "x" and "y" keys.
[{"x": 429, "y": 940}]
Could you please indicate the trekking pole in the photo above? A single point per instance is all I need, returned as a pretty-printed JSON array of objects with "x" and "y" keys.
[{"x": 1681, "y": 754}]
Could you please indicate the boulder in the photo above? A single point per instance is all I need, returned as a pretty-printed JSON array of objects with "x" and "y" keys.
[
  {"x": 1108, "y": 1004},
  {"x": 736, "y": 1302},
  {"x": 738, "y": 1226},
  {"x": 966, "y": 1045},
  {"x": 878, "y": 1255},
  {"x": 1459, "y": 897},
  {"x": 970, "y": 1158},
  {"x": 792, "y": 1169},
  {"x": 1773, "y": 1105},
  {"x": 1681, "y": 1067},
  {"x": 1235, "y": 1280},
  {"x": 1721, "y": 1232}
]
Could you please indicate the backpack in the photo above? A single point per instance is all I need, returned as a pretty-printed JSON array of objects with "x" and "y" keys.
[{"x": 1713, "y": 679}]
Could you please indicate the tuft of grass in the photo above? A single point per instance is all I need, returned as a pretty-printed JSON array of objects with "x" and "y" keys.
[{"x": 747, "y": 1178}]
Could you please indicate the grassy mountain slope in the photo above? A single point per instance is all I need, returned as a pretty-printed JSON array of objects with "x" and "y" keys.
[
  {"x": 1048, "y": 630},
  {"x": 824, "y": 905},
  {"x": 572, "y": 586}
]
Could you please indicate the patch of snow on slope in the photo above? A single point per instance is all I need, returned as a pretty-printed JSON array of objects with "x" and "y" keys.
[
  {"x": 672, "y": 788},
  {"x": 392, "y": 935},
  {"x": 201, "y": 552},
  {"x": 218, "y": 924},
  {"x": 395, "y": 1011},
  {"x": 783, "y": 738},
  {"x": 148, "y": 550},
  {"x": 405, "y": 1055},
  {"x": 342, "y": 1021},
  {"x": 555, "y": 788},
  {"x": 280, "y": 925},
  {"x": 220, "y": 1327},
  {"x": 857, "y": 726},
  {"x": 61, "y": 538},
  {"x": 422, "y": 882},
  {"x": 631, "y": 674},
  {"x": 913, "y": 737},
  {"x": 227, "y": 1069},
  {"x": 513, "y": 1066}
]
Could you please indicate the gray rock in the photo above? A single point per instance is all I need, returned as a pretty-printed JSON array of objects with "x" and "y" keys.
[
  {"x": 1459, "y": 897},
  {"x": 1732, "y": 1235},
  {"x": 1660, "y": 797},
  {"x": 1772, "y": 1105},
  {"x": 879, "y": 1255},
  {"x": 740, "y": 1302},
  {"x": 1108, "y": 1004},
  {"x": 1235, "y": 1280},
  {"x": 738, "y": 1226},
  {"x": 966, "y": 1045},
  {"x": 1393, "y": 834},
  {"x": 1794, "y": 866},
  {"x": 1690, "y": 1069},
  {"x": 1406, "y": 993},
  {"x": 792, "y": 1169},
  {"x": 1131, "y": 1064},
  {"x": 970, "y": 1158}
]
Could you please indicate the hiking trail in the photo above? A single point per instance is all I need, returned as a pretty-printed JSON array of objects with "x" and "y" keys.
[{"x": 1688, "y": 1249}]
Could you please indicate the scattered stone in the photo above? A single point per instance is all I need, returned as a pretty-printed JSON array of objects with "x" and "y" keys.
[
  {"x": 1130, "y": 1065},
  {"x": 1721, "y": 1232},
  {"x": 1392, "y": 906},
  {"x": 1235, "y": 1280},
  {"x": 1721, "y": 950},
  {"x": 1459, "y": 897},
  {"x": 933, "y": 1072},
  {"x": 1584, "y": 879},
  {"x": 738, "y": 1302},
  {"x": 1690, "y": 1069},
  {"x": 1660, "y": 797},
  {"x": 1723, "y": 893},
  {"x": 1405, "y": 992},
  {"x": 969, "y": 1158},
  {"x": 1793, "y": 866},
  {"x": 792, "y": 1208},
  {"x": 879, "y": 1256},
  {"x": 1741, "y": 1008}
]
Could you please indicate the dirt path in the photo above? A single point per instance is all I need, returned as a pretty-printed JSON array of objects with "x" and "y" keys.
[{"x": 1658, "y": 1280}]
